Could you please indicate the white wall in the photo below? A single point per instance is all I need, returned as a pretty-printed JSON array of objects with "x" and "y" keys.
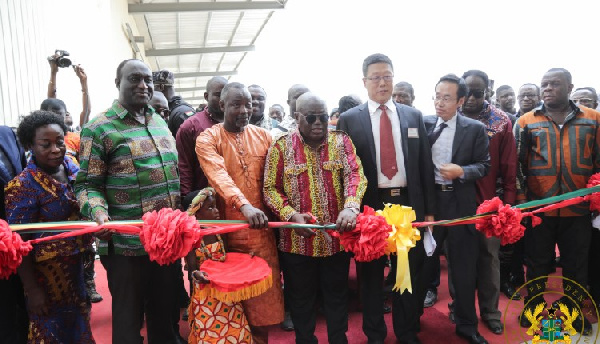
[{"x": 90, "y": 30}]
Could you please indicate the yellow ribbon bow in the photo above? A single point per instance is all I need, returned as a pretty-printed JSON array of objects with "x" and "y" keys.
[{"x": 402, "y": 238}]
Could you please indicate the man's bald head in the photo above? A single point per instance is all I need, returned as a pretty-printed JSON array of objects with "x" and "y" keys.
[
  {"x": 306, "y": 100},
  {"x": 217, "y": 81},
  {"x": 214, "y": 86},
  {"x": 312, "y": 118},
  {"x": 293, "y": 93}
]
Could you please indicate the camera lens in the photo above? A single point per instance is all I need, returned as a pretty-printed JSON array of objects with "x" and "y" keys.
[{"x": 63, "y": 62}]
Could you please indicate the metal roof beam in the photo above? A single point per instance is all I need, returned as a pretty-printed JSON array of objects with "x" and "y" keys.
[
  {"x": 207, "y": 50},
  {"x": 195, "y": 98},
  {"x": 200, "y": 74},
  {"x": 190, "y": 89},
  {"x": 205, "y": 6}
]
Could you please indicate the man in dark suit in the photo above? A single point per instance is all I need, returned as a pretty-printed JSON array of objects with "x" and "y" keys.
[
  {"x": 13, "y": 317},
  {"x": 459, "y": 147},
  {"x": 391, "y": 141}
]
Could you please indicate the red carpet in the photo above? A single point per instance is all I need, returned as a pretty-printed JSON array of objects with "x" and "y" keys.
[{"x": 435, "y": 325}]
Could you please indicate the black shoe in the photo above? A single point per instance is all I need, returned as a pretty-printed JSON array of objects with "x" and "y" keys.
[
  {"x": 92, "y": 293},
  {"x": 522, "y": 319},
  {"x": 587, "y": 326},
  {"x": 287, "y": 324},
  {"x": 430, "y": 298},
  {"x": 509, "y": 291},
  {"x": 494, "y": 325},
  {"x": 387, "y": 309},
  {"x": 514, "y": 280},
  {"x": 451, "y": 314},
  {"x": 475, "y": 338}
]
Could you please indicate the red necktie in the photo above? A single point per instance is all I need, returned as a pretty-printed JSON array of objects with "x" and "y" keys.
[{"x": 387, "y": 150}]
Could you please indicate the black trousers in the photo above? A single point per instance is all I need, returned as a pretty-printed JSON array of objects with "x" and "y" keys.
[
  {"x": 462, "y": 252},
  {"x": 573, "y": 235},
  {"x": 407, "y": 308},
  {"x": 593, "y": 276},
  {"x": 304, "y": 278},
  {"x": 372, "y": 298},
  {"x": 14, "y": 323},
  {"x": 136, "y": 283}
]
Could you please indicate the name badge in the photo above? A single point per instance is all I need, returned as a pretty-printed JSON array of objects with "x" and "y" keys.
[{"x": 413, "y": 133}]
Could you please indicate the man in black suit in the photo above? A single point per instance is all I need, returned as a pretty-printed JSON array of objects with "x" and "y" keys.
[
  {"x": 391, "y": 141},
  {"x": 460, "y": 157}
]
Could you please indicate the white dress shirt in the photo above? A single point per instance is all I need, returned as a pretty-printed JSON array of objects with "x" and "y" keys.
[
  {"x": 441, "y": 150},
  {"x": 399, "y": 179}
]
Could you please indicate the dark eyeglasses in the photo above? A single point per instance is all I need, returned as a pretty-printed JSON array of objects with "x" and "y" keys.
[
  {"x": 313, "y": 118},
  {"x": 476, "y": 94}
]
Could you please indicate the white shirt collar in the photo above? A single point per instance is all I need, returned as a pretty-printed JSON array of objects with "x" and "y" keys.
[
  {"x": 373, "y": 106},
  {"x": 451, "y": 122}
]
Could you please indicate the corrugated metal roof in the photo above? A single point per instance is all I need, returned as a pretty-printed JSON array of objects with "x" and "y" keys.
[{"x": 177, "y": 34}]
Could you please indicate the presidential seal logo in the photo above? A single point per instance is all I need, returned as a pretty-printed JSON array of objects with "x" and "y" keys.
[
  {"x": 554, "y": 313},
  {"x": 553, "y": 328}
]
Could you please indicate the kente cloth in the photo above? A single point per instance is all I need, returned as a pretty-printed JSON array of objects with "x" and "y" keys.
[
  {"x": 72, "y": 141},
  {"x": 68, "y": 318},
  {"x": 554, "y": 160},
  {"x": 212, "y": 320},
  {"x": 234, "y": 164},
  {"x": 127, "y": 169},
  {"x": 502, "y": 175},
  {"x": 322, "y": 181},
  {"x": 34, "y": 196}
]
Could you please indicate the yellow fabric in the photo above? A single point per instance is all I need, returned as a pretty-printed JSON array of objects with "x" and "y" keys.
[{"x": 402, "y": 238}]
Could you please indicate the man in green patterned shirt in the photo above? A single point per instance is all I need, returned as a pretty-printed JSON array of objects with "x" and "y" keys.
[{"x": 129, "y": 167}]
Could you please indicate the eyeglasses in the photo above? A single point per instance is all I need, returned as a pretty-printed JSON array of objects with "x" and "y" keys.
[
  {"x": 313, "y": 118},
  {"x": 478, "y": 94},
  {"x": 523, "y": 96},
  {"x": 444, "y": 99},
  {"x": 587, "y": 102},
  {"x": 386, "y": 78}
]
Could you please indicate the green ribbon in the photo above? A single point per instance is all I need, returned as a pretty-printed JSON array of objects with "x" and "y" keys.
[{"x": 531, "y": 204}]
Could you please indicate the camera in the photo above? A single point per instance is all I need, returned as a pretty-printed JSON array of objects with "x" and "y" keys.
[
  {"x": 163, "y": 77},
  {"x": 60, "y": 59}
]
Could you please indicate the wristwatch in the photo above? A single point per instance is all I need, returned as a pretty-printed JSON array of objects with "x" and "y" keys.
[{"x": 354, "y": 210}]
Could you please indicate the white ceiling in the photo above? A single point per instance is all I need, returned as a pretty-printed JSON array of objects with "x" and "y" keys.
[{"x": 207, "y": 36}]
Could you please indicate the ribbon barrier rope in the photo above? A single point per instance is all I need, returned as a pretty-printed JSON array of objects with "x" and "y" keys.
[{"x": 168, "y": 235}]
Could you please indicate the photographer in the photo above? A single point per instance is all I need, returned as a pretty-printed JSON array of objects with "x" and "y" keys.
[
  {"x": 180, "y": 110},
  {"x": 72, "y": 141},
  {"x": 56, "y": 61}
]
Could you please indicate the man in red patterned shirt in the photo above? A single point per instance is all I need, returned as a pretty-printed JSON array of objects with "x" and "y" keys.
[{"x": 311, "y": 170}]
